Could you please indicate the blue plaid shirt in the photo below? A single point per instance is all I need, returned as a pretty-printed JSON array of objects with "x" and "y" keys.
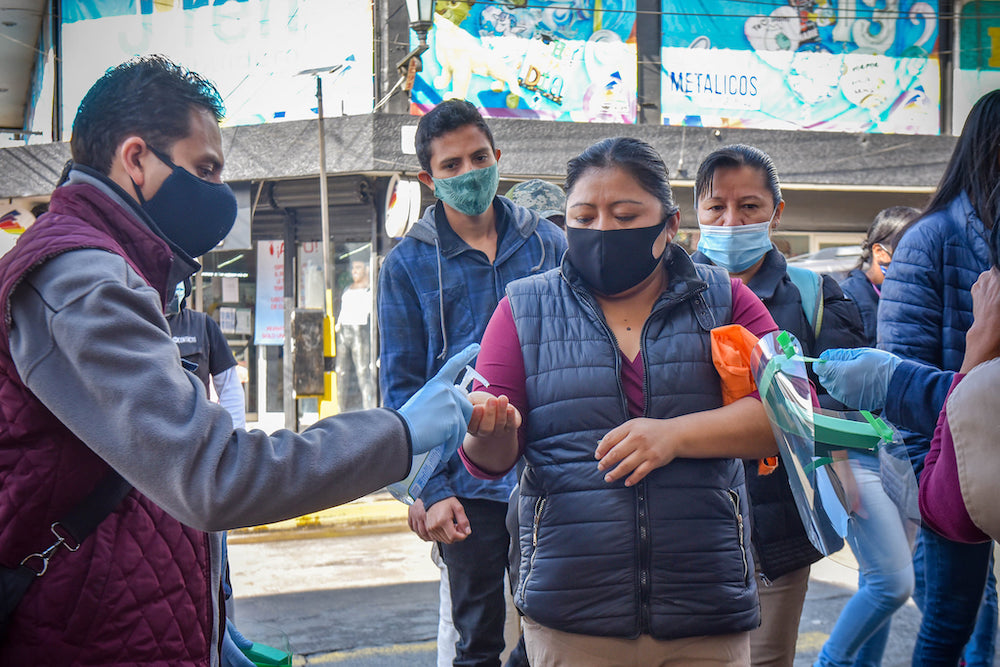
[{"x": 436, "y": 295}]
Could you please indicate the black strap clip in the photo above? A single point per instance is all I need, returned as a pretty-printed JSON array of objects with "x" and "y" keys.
[{"x": 39, "y": 562}]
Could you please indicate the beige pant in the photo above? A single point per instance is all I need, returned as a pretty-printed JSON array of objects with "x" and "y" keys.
[
  {"x": 552, "y": 648},
  {"x": 773, "y": 643}
]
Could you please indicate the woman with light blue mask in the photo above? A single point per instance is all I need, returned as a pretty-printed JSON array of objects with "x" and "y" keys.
[
  {"x": 739, "y": 204},
  {"x": 863, "y": 285}
]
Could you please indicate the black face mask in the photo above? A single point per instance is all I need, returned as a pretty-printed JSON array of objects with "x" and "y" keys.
[
  {"x": 615, "y": 260},
  {"x": 193, "y": 214}
]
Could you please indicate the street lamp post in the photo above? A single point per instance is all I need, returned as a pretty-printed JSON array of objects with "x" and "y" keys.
[
  {"x": 324, "y": 196},
  {"x": 421, "y": 21},
  {"x": 324, "y": 208},
  {"x": 329, "y": 347}
]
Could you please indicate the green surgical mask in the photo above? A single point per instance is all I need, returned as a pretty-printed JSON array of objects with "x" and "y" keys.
[{"x": 470, "y": 193}]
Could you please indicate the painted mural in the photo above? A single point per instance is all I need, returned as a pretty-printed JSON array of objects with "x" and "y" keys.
[
  {"x": 252, "y": 50},
  {"x": 834, "y": 65},
  {"x": 550, "y": 60},
  {"x": 977, "y": 68}
]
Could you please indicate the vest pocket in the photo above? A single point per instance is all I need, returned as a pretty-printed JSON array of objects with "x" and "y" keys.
[
  {"x": 535, "y": 525},
  {"x": 734, "y": 499}
]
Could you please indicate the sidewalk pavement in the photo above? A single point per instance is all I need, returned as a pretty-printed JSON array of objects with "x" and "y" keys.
[{"x": 375, "y": 513}]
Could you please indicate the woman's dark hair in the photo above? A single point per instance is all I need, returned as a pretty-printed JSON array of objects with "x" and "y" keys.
[
  {"x": 886, "y": 230},
  {"x": 442, "y": 119},
  {"x": 737, "y": 155},
  {"x": 150, "y": 97},
  {"x": 634, "y": 156},
  {"x": 974, "y": 167}
]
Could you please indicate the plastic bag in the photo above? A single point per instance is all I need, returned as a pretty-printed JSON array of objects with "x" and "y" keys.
[{"x": 732, "y": 348}]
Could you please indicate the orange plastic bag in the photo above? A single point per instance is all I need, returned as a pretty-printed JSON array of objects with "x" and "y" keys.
[{"x": 731, "y": 348}]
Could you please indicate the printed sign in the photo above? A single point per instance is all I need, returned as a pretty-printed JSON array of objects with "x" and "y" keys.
[
  {"x": 543, "y": 59},
  {"x": 835, "y": 65},
  {"x": 269, "y": 315},
  {"x": 252, "y": 50}
]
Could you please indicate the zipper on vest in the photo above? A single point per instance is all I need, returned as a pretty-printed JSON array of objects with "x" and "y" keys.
[
  {"x": 585, "y": 298},
  {"x": 539, "y": 504},
  {"x": 658, "y": 307},
  {"x": 646, "y": 385},
  {"x": 645, "y": 620},
  {"x": 734, "y": 498},
  {"x": 535, "y": 522}
]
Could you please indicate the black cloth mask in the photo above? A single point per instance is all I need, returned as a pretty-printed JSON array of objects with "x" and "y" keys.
[
  {"x": 612, "y": 261},
  {"x": 192, "y": 213}
]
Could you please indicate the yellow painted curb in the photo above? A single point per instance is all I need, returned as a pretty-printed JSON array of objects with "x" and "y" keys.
[
  {"x": 378, "y": 512},
  {"x": 375, "y": 652}
]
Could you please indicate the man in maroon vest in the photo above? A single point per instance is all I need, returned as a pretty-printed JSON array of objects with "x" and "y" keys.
[{"x": 90, "y": 382}]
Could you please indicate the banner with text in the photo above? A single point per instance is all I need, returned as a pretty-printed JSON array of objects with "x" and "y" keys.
[
  {"x": 543, "y": 60},
  {"x": 833, "y": 65},
  {"x": 252, "y": 50},
  {"x": 977, "y": 68},
  {"x": 269, "y": 311}
]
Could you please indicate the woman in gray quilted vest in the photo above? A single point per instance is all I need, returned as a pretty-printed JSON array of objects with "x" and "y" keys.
[{"x": 633, "y": 515}]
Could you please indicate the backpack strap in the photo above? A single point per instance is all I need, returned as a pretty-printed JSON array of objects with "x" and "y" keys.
[
  {"x": 810, "y": 286},
  {"x": 69, "y": 532}
]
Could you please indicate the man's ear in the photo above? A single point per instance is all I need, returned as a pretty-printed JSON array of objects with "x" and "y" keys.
[
  {"x": 496, "y": 154},
  {"x": 426, "y": 179},
  {"x": 131, "y": 155}
]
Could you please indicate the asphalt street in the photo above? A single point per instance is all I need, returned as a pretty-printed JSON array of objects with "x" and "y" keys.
[{"x": 370, "y": 600}]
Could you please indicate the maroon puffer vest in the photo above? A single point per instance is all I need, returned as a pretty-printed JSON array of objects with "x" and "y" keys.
[{"x": 138, "y": 589}]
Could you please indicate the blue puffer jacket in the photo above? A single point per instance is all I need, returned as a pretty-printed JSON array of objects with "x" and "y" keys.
[
  {"x": 860, "y": 290},
  {"x": 670, "y": 556},
  {"x": 925, "y": 311}
]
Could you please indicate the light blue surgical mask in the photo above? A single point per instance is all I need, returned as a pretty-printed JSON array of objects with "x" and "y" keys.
[
  {"x": 174, "y": 305},
  {"x": 738, "y": 248},
  {"x": 470, "y": 193}
]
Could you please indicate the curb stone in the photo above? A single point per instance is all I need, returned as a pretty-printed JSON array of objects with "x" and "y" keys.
[{"x": 377, "y": 513}]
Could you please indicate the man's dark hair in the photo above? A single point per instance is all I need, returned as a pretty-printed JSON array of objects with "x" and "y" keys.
[
  {"x": 151, "y": 97},
  {"x": 442, "y": 119}
]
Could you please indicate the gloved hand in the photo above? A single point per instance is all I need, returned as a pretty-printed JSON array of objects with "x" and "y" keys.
[
  {"x": 439, "y": 412},
  {"x": 857, "y": 377},
  {"x": 233, "y": 645},
  {"x": 237, "y": 637}
]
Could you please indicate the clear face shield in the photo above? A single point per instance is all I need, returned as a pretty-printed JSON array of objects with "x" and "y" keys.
[{"x": 848, "y": 471}]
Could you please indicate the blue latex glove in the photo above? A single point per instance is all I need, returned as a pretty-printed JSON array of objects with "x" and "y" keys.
[
  {"x": 232, "y": 642},
  {"x": 439, "y": 412},
  {"x": 858, "y": 377},
  {"x": 237, "y": 637}
]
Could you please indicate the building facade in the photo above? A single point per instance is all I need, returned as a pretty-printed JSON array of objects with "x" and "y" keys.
[{"x": 553, "y": 81}]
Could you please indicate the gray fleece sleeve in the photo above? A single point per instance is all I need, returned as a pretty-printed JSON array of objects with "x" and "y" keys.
[{"x": 90, "y": 341}]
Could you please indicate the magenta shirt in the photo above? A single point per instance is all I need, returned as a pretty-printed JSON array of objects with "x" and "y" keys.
[
  {"x": 941, "y": 505},
  {"x": 500, "y": 360}
]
